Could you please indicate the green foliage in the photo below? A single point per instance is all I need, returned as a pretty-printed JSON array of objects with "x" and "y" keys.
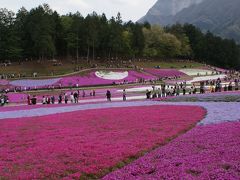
[
  {"x": 42, "y": 34},
  {"x": 9, "y": 40},
  {"x": 177, "y": 30},
  {"x": 213, "y": 49},
  {"x": 158, "y": 43}
]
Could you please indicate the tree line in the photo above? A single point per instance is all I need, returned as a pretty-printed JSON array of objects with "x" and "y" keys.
[{"x": 42, "y": 33}]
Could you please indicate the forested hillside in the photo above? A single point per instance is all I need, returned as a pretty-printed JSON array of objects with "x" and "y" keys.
[
  {"x": 42, "y": 33},
  {"x": 221, "y": 17}
]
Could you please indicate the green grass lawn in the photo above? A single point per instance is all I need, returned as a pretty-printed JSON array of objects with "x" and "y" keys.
[
  {"x": 44, "y": 68},
  {"x": 170, "y": 64}
]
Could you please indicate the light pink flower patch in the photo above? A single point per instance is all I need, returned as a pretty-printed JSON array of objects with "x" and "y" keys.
[
  {"x": 205, "y": 152},
  {"x": 87, "y": 142}
]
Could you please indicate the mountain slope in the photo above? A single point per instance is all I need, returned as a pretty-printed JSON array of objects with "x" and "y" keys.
[
  {"x": 163, "y": 10},
  {"x": 221, "y": 17}
]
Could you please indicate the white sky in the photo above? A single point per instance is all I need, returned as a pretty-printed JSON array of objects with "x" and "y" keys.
[{"x": 129, "y": 9}]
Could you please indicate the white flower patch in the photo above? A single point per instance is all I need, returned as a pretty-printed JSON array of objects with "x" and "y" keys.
[
  {"x": 110, "y": 75},
  {"x": 196, "y": 72},
  {"x": 206, "y": 78}
]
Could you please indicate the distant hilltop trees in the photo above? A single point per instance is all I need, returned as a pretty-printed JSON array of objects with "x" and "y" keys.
[{"x": 42, "y": 33}]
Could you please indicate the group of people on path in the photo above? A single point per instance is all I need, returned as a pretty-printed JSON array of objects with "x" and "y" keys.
[
  {"x": 167, "y": 90},
  {"x": 205, "y": 86},
  {"x": 109, "y": 95},
  {"x": 73, "y": 97}
]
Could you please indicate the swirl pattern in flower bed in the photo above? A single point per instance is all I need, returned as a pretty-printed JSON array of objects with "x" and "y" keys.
[{"x": 111, "y": 75}]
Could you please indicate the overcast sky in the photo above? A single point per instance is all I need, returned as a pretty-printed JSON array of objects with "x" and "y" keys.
[{"x": 129, "y": 9}]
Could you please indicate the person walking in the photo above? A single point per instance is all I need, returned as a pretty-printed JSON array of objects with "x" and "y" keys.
[
  {"x": 108, "y": 94},
  {"x": 163, "y": 88},
  {"x": 2, "y": 100},
  {"x": 29, "y": 100},
  {"x": 60, "y": 99},
  {"x": 53, "y": 100},
  {"x": 65, "y": 98},
  {"x": 159, "y": 93},
  {"x": 148, "y": 94},
  {"x": 34, "y": 100},
  {"x": 83, "y": 93},
  {"x": 72, "y": 98},
  {"x": 184, "y": 90},
  {"x": 44, "y": 100},
  {"x": 177, "y": 90},
  {"x": 124, "y": 95},
  {"x": 48, "y": 100},
  {"x": 75, "y": 95}
]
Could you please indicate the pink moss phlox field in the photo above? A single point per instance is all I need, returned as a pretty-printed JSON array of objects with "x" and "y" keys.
[
  {"x": 87, "y": 80},
  {"x": 92, "y": 79},
  {"x": 205, "y": 152},
  {"x": 17, "y": 97},
  {"x": 72, "y": 144},
  {"x": 162, "y": 73}
]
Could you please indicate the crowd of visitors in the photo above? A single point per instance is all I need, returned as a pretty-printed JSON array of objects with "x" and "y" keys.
[
  {"x": 72, "y": 97},
  {"x": 182, "y": 88},
  {"x": 229, "y": 83},
  {"x": 65, "y": 98}
]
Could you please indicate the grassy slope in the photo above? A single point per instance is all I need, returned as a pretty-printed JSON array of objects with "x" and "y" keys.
[
  {"x": 174, "y": 64},
  {"x": 46, "y": 68}
]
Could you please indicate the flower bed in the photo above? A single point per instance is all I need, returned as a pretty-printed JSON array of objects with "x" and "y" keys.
[
  {"x": 162, "y": 73},
  {"x": 93, "y": 78},
  {"x": 80, "y": 143},
  {"x": 206, "y": 78},
  {"x": 110, "y": 75},
  {"x": 206, "y": 152},
  {"x": 196, "y": 72},
  {"x": 34, "y": 83},
  {"x": 141, "y": 75}
]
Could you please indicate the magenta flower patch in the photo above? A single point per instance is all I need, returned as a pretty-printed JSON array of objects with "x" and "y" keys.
[
  {"x": 87, "y": 142},
  {"x": 92, "y": 79},
  {"x": 87, "y": 80},
  {"x": 162, "y": 73}
]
